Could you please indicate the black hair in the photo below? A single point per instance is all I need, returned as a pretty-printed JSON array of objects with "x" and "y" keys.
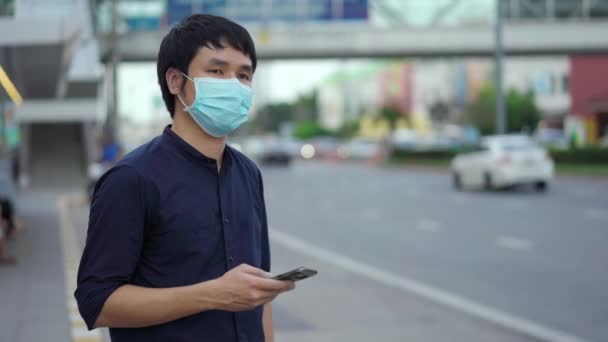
[{"x": 181, "y": 44}]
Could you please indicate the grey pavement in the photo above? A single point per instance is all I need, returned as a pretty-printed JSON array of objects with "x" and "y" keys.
[{"x": 32, "y": 293}]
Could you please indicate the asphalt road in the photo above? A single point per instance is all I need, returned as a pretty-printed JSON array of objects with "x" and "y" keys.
[{"x": 538, "y": 257}]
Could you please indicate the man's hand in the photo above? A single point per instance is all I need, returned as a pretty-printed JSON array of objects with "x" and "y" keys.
[{"x": 246, "y": 287}]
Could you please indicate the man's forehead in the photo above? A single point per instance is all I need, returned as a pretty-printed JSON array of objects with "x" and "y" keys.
[{"x": 227, "y": 54}]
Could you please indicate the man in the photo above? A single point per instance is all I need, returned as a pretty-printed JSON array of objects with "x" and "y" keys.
[{"x": 177, "y": 247}]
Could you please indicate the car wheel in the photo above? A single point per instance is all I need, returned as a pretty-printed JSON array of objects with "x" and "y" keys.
[
  {"x": 541, "y": 186},
  {"x": 457, "y": 181},
  {"x": 487, "y": 181}
]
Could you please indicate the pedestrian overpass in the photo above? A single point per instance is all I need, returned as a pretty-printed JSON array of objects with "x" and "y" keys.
[{"x": 347, "y": 40}]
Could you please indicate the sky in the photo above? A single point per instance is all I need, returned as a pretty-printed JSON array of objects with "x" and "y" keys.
[{"x": 140, "y": 96}]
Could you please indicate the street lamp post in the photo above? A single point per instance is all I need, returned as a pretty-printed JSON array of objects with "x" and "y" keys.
[
  {"x": 501, "y": 115},
  {"x": 112, "y": 119}
]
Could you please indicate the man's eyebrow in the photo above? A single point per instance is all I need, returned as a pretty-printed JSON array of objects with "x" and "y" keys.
[
  {"x": 217, "y": 61},
  {"x": 247, "y": 67},
  {"x": 221, "y": 62}
]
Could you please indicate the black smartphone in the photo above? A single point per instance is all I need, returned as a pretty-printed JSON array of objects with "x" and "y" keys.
[{"x": 297, "y": 274}]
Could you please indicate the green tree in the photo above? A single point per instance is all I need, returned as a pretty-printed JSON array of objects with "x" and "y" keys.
[
  {"x": 481, "y": 111},
  {"x": 349, "y": 129},
  {"x": 309, "y": 129},
  {"x": 306, "y": 107},
  {"x": 391, "y": 115},
  {"x": 272, "y": 116},
  {"x": 522, "y": 112}
]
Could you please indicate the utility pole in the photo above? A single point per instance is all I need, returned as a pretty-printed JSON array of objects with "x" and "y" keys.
[
  {"x": 112, "y": 118},
  {"x": 501, "y": 114}
]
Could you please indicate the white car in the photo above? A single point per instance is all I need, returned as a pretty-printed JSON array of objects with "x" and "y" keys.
[{"x": 503, "y": 161}]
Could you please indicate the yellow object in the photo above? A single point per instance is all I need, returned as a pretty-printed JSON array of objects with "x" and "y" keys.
[
  {"x": 264, "y": 37},
  {"x": 591, "y": 128},
  {"x": 403, "y": 123},
  {"x": 12, "y": 92},
  {"x": 373, "y": 128},
  {"x": 421, "y": 123}
]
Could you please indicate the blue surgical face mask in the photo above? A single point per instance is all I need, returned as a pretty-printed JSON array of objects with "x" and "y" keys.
[{"x": 220, "y": 105}]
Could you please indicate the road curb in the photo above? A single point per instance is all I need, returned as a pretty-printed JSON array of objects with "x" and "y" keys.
[{"x": 71, "y": 259}]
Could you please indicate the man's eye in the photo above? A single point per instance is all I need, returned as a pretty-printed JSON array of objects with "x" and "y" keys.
[
  {"x": 214, "y": 71},
  {"x": 244, "y": 77}
]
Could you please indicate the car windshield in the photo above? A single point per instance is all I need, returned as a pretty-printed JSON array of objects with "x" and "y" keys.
[{"x": 516, "y": 144}]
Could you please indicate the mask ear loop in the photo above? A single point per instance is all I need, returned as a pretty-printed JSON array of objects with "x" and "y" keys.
[{"x": 186, "y": 107}]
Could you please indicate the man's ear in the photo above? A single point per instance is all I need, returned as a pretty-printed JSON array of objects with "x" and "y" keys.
[{"x": 175, "y": 80}]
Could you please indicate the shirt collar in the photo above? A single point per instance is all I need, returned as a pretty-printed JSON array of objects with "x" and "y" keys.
[{"x": 182, "y": 147}]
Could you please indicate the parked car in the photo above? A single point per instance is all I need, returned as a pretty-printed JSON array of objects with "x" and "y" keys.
[
  {"x": 551, "y": 138},
  {"x": 276, "y": 152},
  {"x": 360, "y": 149},
  {"x": 405, "y": 139},
  {"x": 324, "y": 147},
  {"x": 503, "y": 161},
  {"x": 268, "y": 150},
  {"x": 603, "y": 141}
]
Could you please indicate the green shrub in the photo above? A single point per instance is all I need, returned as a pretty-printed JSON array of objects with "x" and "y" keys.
[
  {"x": 425, "y": 155},
  {"x": 310, "y": 129},
  {"x": 580, "y": 156},
  {"x": 586, "y": 155}
]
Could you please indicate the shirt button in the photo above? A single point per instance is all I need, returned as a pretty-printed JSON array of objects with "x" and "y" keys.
[
  {"x": 226, "y": 220},
  {"x": 231, "y": 258}
]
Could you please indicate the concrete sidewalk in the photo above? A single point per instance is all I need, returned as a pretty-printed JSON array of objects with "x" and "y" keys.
[{"x": 32, "y": 293}]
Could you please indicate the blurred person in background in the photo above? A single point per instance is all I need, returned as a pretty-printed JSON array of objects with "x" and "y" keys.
[
  {"x": 8, "y": 229},
  {"x": 177, "y": 247},
  {"x": 111, "y": 152}
]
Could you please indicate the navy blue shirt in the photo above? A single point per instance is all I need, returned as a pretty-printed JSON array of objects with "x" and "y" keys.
[{"x": 164, "y": 217}]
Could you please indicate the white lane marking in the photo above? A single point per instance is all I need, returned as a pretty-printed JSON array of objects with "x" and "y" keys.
[
  {"x": 82, "y": 333},
  {"x": 511, "y": 242},
  {"x": 595, "y": 214},
  {"x": 75, "y": 317},
  {"x": 72, "y": 306},
  {"x": 420, "y": 289},
  {"x": 428, "y": 225}
]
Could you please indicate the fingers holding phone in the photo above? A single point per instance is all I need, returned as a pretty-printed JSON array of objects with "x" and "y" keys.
[{"x": 246, "y": 287}]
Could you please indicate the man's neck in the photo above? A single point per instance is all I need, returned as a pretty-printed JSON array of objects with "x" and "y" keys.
[{"x": 190, "y": 132}]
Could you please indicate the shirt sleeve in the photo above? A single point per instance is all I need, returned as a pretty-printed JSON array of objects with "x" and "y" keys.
[
  {"x": 265, "y": 240},
  {"x": 114, "y": 240}
]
